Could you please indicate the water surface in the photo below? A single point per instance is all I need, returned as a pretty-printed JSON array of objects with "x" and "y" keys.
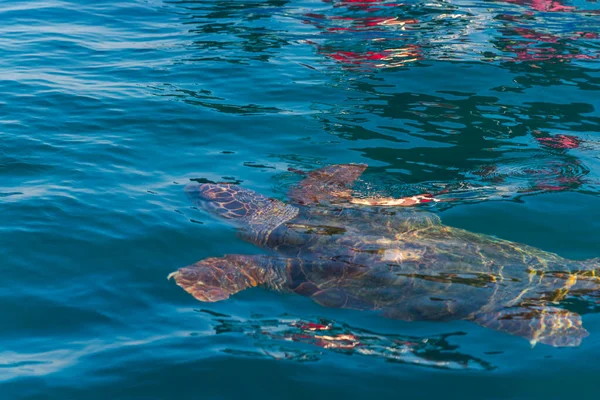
[{"x": 109, "y": 108}]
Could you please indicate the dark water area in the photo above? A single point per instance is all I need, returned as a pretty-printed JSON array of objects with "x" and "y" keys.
[{"x": 108, "y": 109}]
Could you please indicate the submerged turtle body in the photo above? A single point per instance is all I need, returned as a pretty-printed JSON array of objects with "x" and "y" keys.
[{"x": 400, "y": 261}]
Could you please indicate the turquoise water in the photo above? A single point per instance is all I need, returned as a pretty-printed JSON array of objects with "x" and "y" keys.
[{"x": 108, "y": 109}]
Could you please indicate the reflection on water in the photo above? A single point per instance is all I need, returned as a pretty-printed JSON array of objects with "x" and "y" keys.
[
  {"x": 289, "y": 338},
  {"x": 491, "y": 146},
  {"x": 384, "y": 34},
  {"x": 499, "y": 149}
]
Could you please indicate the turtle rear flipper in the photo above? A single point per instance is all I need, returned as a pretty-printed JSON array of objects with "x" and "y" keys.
[
  {"x": 215, "y": 279},
  {"x": 549, "y": 325}
]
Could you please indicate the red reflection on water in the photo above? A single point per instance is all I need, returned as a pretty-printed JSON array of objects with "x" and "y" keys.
[
  {"x": 384, "y": 51},
  {"x": 543, "y": 5},
  {"x": 524, "y": 52},
  {"x": 560, "y": 141},
  {"x": 274, "y": 336},
  {"x": 392, "y": 57}
]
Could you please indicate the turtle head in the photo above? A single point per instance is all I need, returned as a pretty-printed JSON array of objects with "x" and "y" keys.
[
  {"x": 238, "y": 204},
  {"x": 226, "y": 200}
]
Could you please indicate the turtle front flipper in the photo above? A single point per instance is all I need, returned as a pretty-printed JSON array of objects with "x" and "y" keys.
[
  {"x": 549, "y": 325},
  {"x": 333, "y": 184},
  {"x": 396, "y": 202},
  {"x": 327, "y": 184},
  {"x": 215, "y": 279}
]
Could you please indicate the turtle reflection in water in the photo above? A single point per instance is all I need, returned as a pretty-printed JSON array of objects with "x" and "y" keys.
[{"x": 362, "y": 254}]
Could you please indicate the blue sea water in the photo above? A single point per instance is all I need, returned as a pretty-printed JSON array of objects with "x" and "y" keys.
[{"x": 109, "y": 108}]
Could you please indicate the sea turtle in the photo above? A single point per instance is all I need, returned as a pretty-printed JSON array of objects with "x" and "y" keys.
[{"x": 363, "y": 254}]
